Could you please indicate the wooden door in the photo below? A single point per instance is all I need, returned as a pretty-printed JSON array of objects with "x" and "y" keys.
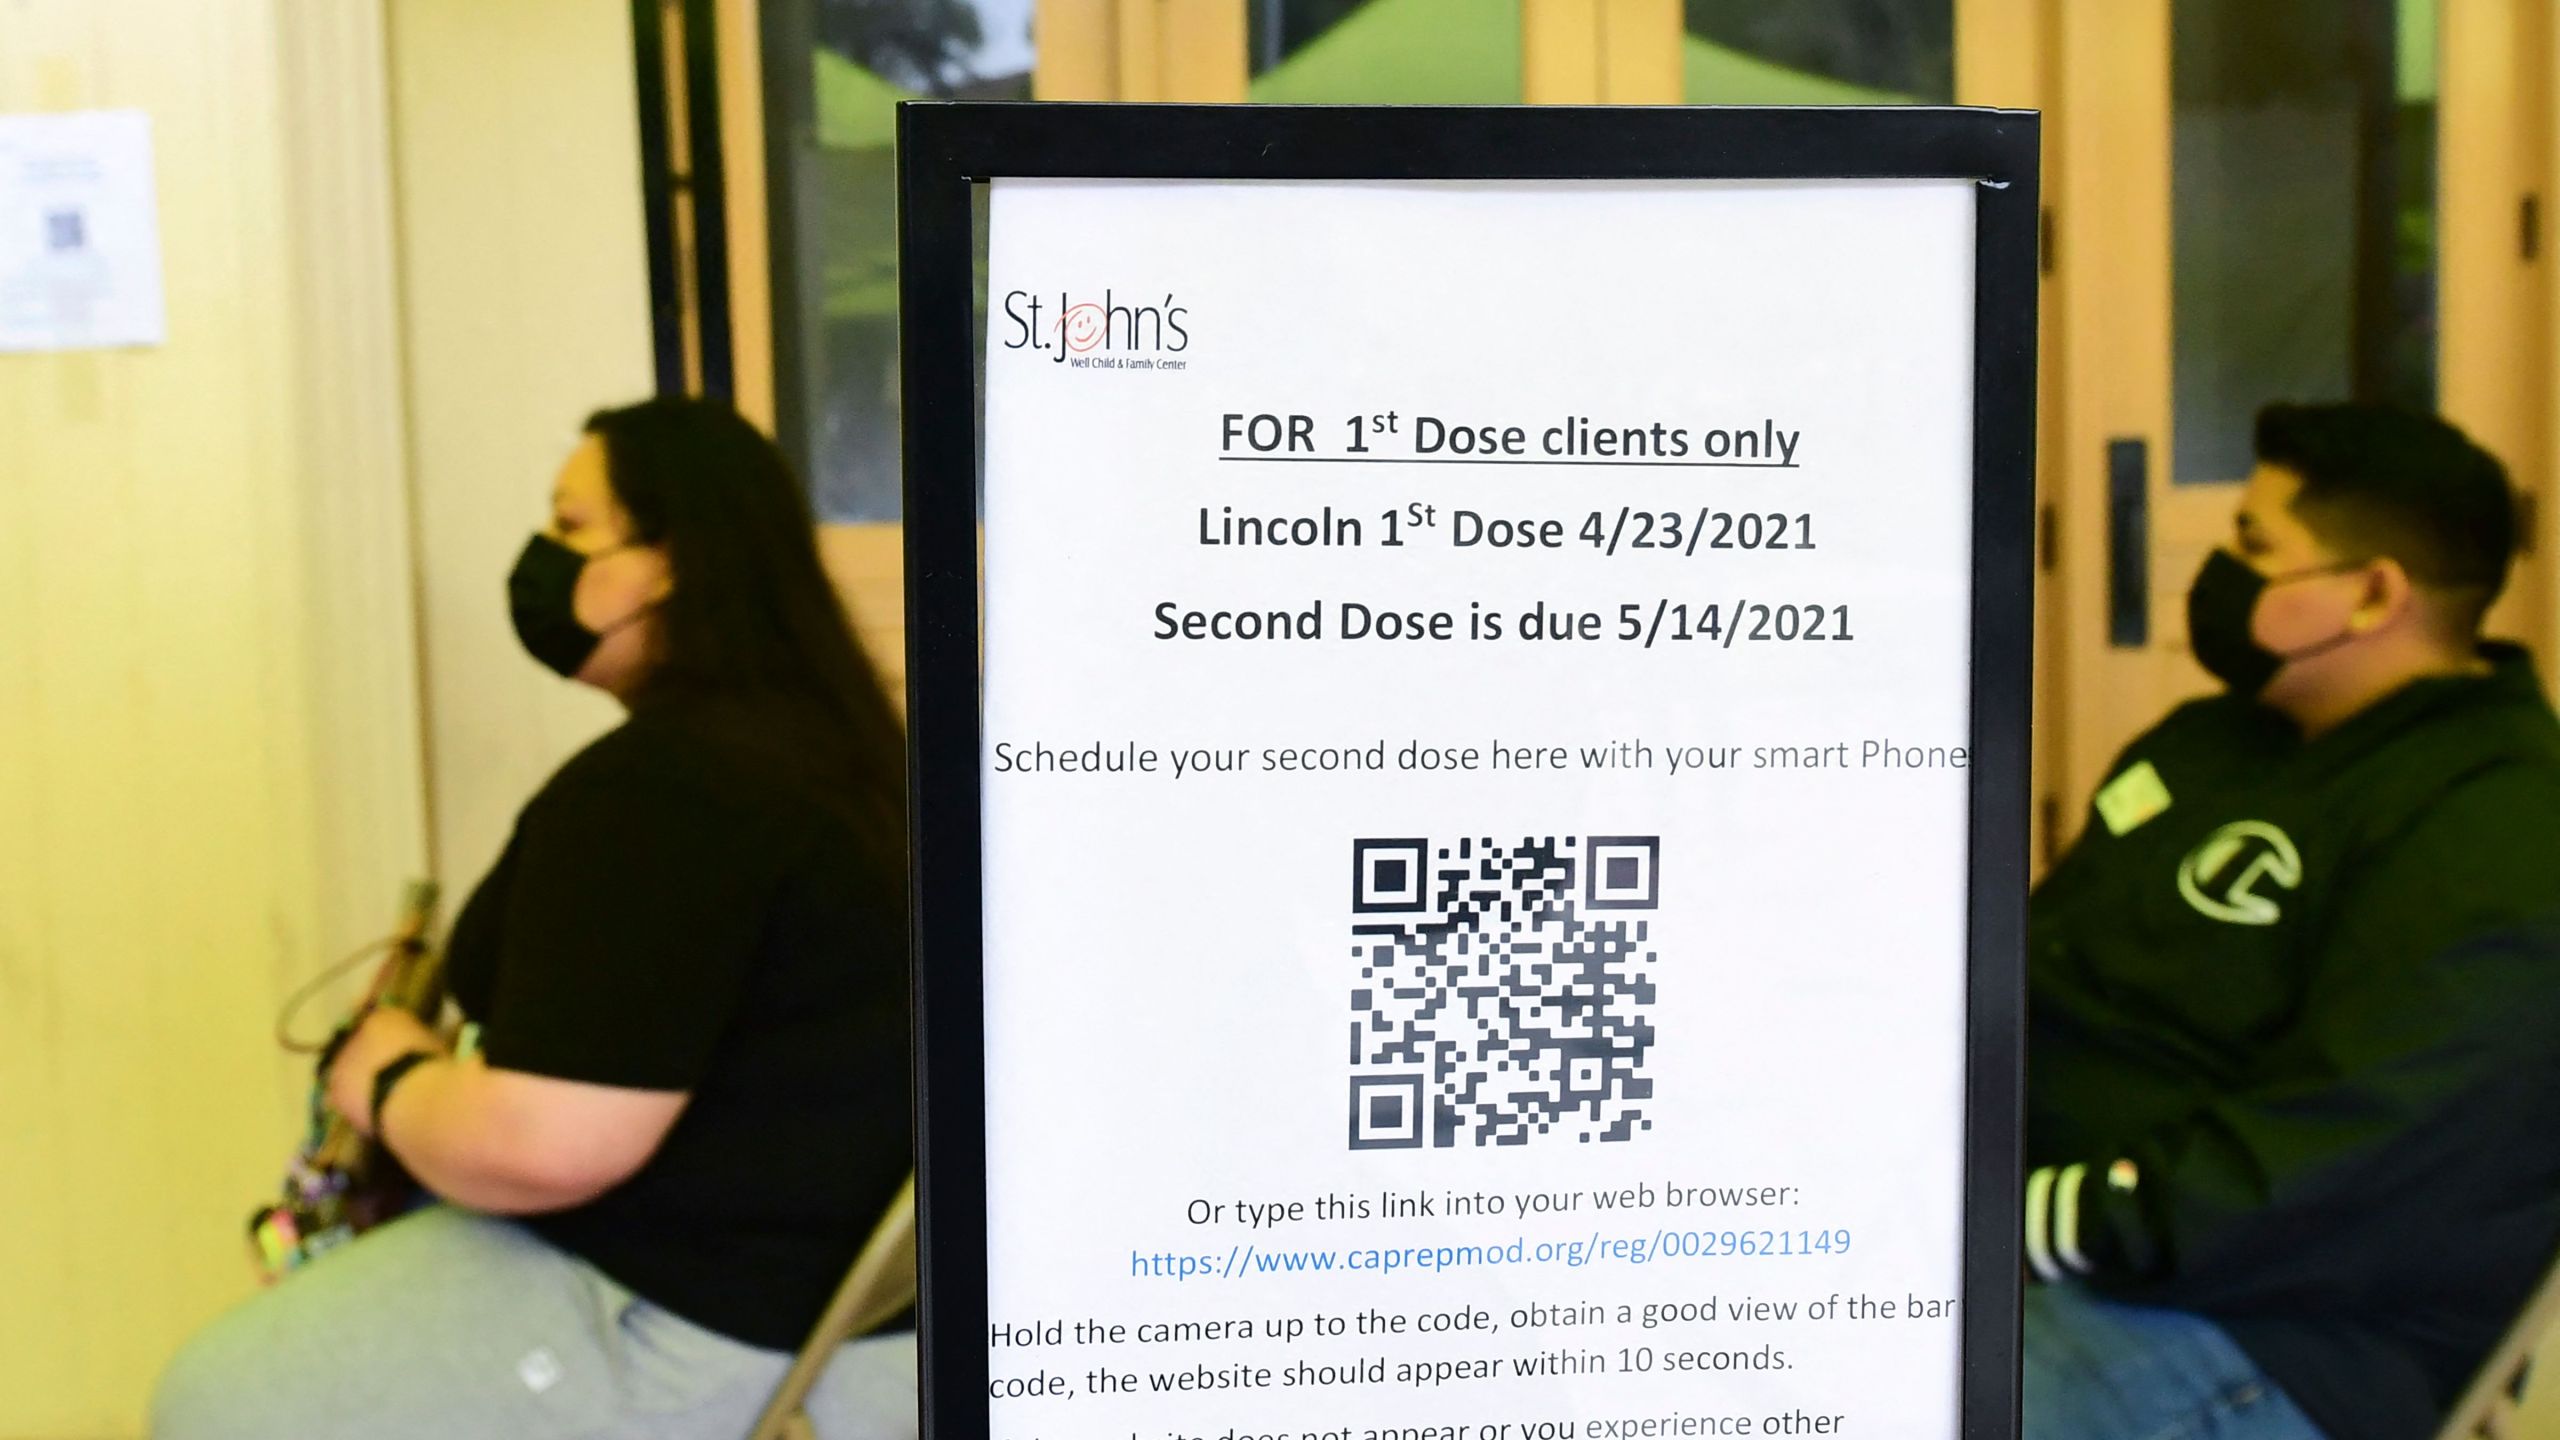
[
  {"x": 2258, "y": 200},
  {"x": 2117, "y": 533}
]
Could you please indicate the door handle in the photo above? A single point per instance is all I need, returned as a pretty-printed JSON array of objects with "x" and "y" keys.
[{"x": 2128, "y": 543}]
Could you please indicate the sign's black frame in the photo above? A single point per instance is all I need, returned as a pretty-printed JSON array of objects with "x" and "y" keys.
[{"x": 945, "y": 148}]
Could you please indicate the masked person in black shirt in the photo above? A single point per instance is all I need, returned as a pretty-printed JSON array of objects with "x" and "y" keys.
[
  {"x": 687, "y": 972},
  {"x": 2293, "y": 1119}
]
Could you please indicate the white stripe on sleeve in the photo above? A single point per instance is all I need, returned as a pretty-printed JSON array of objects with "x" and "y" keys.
[
  {"x": 2039, "y": 1244},
  {"x": 2066, "y": 1218}
]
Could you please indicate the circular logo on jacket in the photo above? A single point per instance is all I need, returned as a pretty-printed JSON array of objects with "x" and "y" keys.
[{"x": 2227, "y": 876}]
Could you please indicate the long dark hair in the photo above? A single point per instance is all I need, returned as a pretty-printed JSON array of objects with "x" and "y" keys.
[{"x": 751, "y": 622}]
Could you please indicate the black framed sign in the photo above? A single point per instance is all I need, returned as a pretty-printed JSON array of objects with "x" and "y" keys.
[{"x": 1468, "y": 673}]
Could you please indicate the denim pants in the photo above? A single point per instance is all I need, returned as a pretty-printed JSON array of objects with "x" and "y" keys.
[
  {"x": 2099, "y": 1370},
  {"x": 448, "y": 1324}
]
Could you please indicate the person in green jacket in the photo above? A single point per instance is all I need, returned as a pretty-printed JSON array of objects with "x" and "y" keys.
[{"x": 2293, "y": 1109}]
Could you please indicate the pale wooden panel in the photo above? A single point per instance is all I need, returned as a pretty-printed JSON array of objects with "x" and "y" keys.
[
  {"x": 209, "y": 766},
  {"x": 1600, "y": 52},
  {"x": 2110, "y": 195},
  {"x": 1200, "y": 50},
  {"x": 526, "y": 277},
  {"x": 2538, "y": 43},
  {"x": 2533, "y": 90},
  {"x": 869, "y": 571},
  {"x": 1560, "y": 52},
  {"x": 1143, "y": 50},
  {"x": 741, "y": 43},
  {"x": 1074, "y": 55},
  {"x": 1137, "y": 58},
  {"x": 1640, "y": 44},
  {"x": 2494, "y": 372},
  {"x": 2004, "y": 57},
  {"x": 2000, "y": 55}
]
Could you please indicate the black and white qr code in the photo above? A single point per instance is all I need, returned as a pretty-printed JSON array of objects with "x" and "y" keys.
[{"x": 1505, "y": 992}]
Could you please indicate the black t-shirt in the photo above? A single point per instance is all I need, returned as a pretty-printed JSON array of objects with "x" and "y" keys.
[
  {"x": 680, "y": 908},
  {"x": 2308, "y": 989}
]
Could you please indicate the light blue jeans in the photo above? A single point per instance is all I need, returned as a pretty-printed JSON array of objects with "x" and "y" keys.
[
  {"x": 2099, "y": 1370},
  {"x": 447, "y": 1324}
]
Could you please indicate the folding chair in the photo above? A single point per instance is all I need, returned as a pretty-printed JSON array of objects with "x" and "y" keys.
[
  {"x": 2487, "y": 1410},
  {"x": 881, "y": 1283}
]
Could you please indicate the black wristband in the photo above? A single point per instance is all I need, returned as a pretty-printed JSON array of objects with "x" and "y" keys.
[
  {"x": 337, "y": 1041},
  {"x": 392, "y": 1074}
]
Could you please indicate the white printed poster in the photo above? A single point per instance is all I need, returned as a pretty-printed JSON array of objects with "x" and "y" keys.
[
  {"x": 1475, "y": 789},
  {"x": 79, "y": 232}
]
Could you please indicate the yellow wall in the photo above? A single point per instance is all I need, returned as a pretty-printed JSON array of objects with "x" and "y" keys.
[
  {"x": 251, "y": 603},
  {"x": 209, "y": 748},
  {"x": 525, "y": 273}
]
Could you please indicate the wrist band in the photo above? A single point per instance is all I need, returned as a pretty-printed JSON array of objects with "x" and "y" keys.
[{"x": 392, "y": 1074}]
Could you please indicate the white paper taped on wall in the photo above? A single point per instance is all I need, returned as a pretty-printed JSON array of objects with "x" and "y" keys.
[{"x": 79, "y": 232}]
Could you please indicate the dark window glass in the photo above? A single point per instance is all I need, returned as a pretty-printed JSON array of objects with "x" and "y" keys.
[
  {"x": 864, "y": 57},
  {"x": 1819, "y": 52},
  {"x": 1384, "y": 52},
  {"x": 2303, "y": 213}
]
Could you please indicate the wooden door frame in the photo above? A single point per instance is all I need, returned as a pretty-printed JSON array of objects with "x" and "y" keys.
[
  {"x": 2497, "y": 333},
  {"x": 738, "y": 29},
  {"x": 2109, "y": 258},
  {"x": 2006, "y": 55},
  {"x": 1163, "y": 50},
  {"x": 2101, "y": 75},
  {"x": 1600, "y": 52}
]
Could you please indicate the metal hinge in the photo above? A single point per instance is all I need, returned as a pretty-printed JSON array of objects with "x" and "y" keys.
[
  {"x": 2048, "y": 538},
  {"x": 2528, "y": 521},
  {"x": 2044, "y": 240},
  {"x": 2049, "y": 810},
  {"x": 2529, "y": 226}
]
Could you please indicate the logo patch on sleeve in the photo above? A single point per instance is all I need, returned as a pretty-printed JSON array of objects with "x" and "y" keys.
[{"x": 2132, "y": 798}]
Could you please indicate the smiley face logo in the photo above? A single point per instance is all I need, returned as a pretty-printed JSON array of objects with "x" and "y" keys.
[{"x": 1081, "y": 328}]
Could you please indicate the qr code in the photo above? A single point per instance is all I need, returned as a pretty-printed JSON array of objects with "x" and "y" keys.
[
  {"x": 1505, "y": 993},
  {"x": 66, "y": 230}
]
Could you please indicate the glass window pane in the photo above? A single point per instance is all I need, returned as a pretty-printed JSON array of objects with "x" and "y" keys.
[
  {"x": 1819, "y": 52},
  {"x": 1384, "y": 52},
  {"x": 2303, "y": 213},
  {"x": 869, "y": 55}
]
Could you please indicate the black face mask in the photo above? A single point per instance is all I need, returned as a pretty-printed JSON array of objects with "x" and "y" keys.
[
  {"x": 2220, "y": 606},
  {"x": 542, "y": 595}
]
